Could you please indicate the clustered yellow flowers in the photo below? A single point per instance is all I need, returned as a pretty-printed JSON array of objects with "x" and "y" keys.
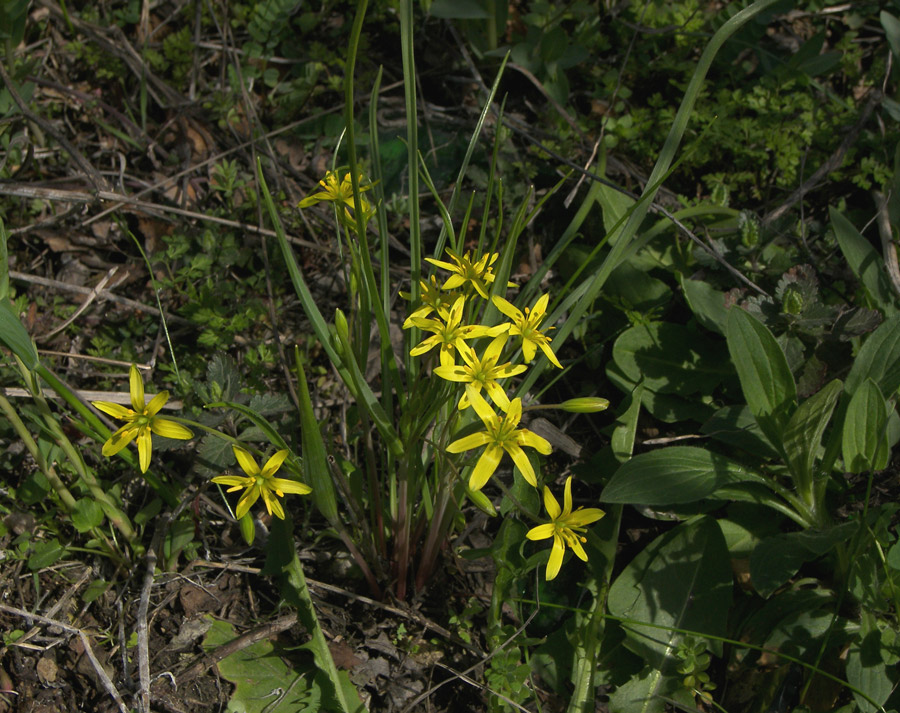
[
  {"x": 448, "y": 312},
  {"x": 141, "y": 421}
]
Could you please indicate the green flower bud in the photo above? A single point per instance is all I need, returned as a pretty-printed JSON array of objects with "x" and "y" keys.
[
  {"x": 340, "y": 324},
  {"x": 248, "y": 528},
  {"x": 585, "y": 404},
  {"x": 481, "y": 501}
]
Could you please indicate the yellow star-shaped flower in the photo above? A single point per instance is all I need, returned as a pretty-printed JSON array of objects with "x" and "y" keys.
[
  {"x": 433, "y": 300},
  {"x": 141, "y": 420},
  {"x": 340, "y": 193},
  {"x": 449, "y": 333},
  {"x": 527, "y": 326},
  {"x": 565, "y": 528},
  {"x": 260, "y": 482},
  {"x": 480, "y": 372},
  {"x": 501, "y": 435},
  {"x": 478, "y": 274}
]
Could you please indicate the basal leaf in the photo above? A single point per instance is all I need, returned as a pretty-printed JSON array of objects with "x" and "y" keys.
[
  {"x": 683, "y": 580},
  {"x": 670, "y": 358},
  {"x": 762, "y": 368},
  {"x": 670, "y": 408},
  {"x": 736, "y": 426},
  {"x": 707, "y": 303},
  {"x": 864, "y": 443},
  {"x": 776, "y": 559},
  {"x": 867, "y": 663},
  {"x": 891, "y": 27},
  {"x": 803, "y": 435},
  {"x": 672, "y": 476},
  {"x": 878, "y": 359},
  {"x": 866, "y": 263}
]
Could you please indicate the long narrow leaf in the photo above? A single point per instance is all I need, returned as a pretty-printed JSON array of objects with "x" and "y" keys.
[{"x": 315, "y": 458}]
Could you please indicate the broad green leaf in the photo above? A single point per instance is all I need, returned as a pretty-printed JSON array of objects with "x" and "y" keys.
[
  {"x": 707, "y": 303},
  {"x": 665, "y": 407},
  {"x": 736, "y": 426},
  {"x": 776, "y": 559},
  {"x": 459, "y": 10},
  {"x": 634, "y": 289},
  {"x": 866, "y": 263},
  {"x": 744, "y": 526},
  {"x": 867, "y": 663},
  {"x": 864, "y": 443},
  {"x": 94, "y": 590},
  {"x": 891, "y": 27},
  {"x": 264, "y": 683},
  {"x": 878, "y": 359},
  {"x": 803, "y": 435},
  {"x": 793, "y": 620},
  {"x": 762, "y": 367},
  {"x": 683, "y": 579},
  {"x": 87, "y": 514},
  {"x": 670, "y": 358},
  {"x": 672, "y": 476},
  {"x": 45, "y": 554}
]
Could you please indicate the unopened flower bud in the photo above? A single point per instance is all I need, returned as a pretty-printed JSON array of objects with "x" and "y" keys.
[
  {"x": 585, "y": 404},
  {"x": 482, "y": 502}
]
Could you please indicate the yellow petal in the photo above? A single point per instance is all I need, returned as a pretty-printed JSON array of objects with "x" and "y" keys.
[
  {"x": 114, "y": 410},
  {"x": 522, "y": 463},
  {"x": 144, "y": 444},
  {"x": 508, "y": 308},
  {"x": 540, "y": 308},
  {"x": 246, "y": 501},
  {"x": 120, "y": 439},
  {"x": 485, "y": 412},
  {"x": 136, "y": 388},
  {"x": 272, "y": 504},
  {"x": 245, "y": 460},
  {"x": 548, "y": 352},
  {"x": 485, "y": 467},
  {"x": 156, "y": 403},
  {"x": 584, "y": 516},
  {"x": 541, "y": 532},
  {"x": 239, "y": 481},
  {"x": 469, "y": 442},
  {"x": 170, "y": 429},
  {"x": 274, "y": 463},
  {"x": 528, "y": 438},
  {"x": 575, "y": 544},
  {"x": 290, "y": 486},
  {"x": 551, "y": 504},
  {"x": 556, "y": 557},
  {"x": 567, "y": 496}
]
